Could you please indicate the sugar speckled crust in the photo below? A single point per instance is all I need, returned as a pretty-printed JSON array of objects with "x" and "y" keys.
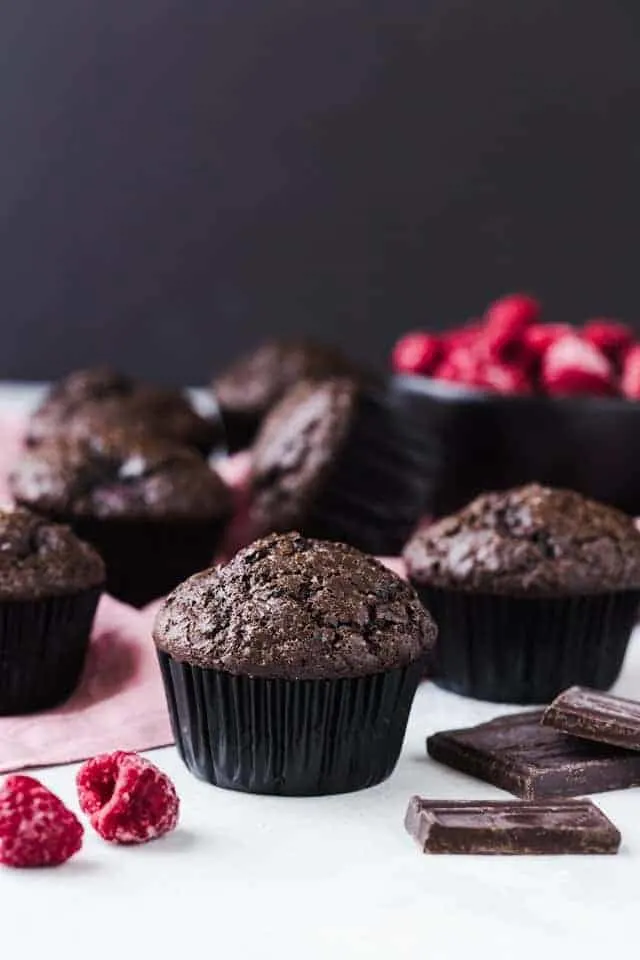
[
  {"x": 294, "y": 452},
  {"x": 255, "y": 382},
  {"x": 89, "y": 401},
  {"x": 40, "y": 559},
  {"x": 117, "y": 473},
  {"x": 530, "y": 541},
  {"x": 295, "y": 608}
]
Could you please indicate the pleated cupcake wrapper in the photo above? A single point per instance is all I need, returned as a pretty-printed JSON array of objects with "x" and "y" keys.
[
  {"x": 527, "y": 650},
  {"x": 43, "y": 646},
  {"x": 145, "y": 559},
  {"x": 376, "y": 491},
  {"x": 289, "y": 737}
]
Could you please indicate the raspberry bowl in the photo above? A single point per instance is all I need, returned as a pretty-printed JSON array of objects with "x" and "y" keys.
[
  {"x": 499, "y": 404},
  {"x": 476, "y": 441}
]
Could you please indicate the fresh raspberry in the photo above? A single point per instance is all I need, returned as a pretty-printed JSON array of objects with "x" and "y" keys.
[
  {"x": 571, "y": 365},
  {"x": 501, "y": 378},
  {"x": 539, "y": 336},
  {"x": 511, "y": 315},
  {"x": 630, "y": 383},
  {"x": 473, "y": 370},
  {"x": 465, "y": 336},
  {"x": 609, "y": 336},
  {"x": 36, "y": 829},
  {"x": 461, "y": 365},
  {"x": 127, "y": 798},
  {"x": 416, "y": 353}
]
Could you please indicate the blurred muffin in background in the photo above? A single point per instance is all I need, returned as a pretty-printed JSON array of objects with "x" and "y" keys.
[
  {"x": 87, "y": 401},
  {"x": 251, "y": 386},
  {"x": 154, "y": 510},
  {"x": 335, "y": 461}
]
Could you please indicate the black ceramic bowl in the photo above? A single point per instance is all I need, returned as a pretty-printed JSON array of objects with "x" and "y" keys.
[{"x": 476, "y": 441}]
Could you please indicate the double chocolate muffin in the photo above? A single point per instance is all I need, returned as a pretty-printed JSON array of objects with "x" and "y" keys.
[
  {"x": 90, "y": 401},
  {"x": 292, "y": 669},
  {"x": 335, "y": 461},
  {"x": 250, "y": 387},
  {"x": 50, "y": 584},
  {"x": 154, "y": 510},
  {"x": 534, "y": 589}
]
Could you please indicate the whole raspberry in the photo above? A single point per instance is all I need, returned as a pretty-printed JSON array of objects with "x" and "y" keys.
[
  {"x": 36, "y": 829},
  {"x": 571, "y": 365},
  {"x": 465, "y": 336},
  {"x": 461, "y": 365},
  {"x": 127, "y": 798},
  {"x": 609, "y": 336},
  {"x": 501, "y": 378},
  {"x": 416, "y": 353},
  {"x": 510, "y": 315},
  {"x": 630, "y": 383},
  {"x": 539, "y": 336}
]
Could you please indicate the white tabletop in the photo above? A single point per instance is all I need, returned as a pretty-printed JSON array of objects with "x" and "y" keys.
[{"x": 336, "y": 877}]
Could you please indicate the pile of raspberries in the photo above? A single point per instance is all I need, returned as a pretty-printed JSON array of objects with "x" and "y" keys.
[
  {"x": 127, "y": 799},
  {"x": 511, "y": 351}
]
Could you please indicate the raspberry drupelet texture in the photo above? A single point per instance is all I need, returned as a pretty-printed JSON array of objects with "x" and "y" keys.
[
  {"x": 36, "y": 829},
  {"x": 127, "y": 798}
]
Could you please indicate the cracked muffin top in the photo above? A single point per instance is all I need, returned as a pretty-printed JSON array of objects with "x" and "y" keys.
[
  {"x": 255, "y": 382},
  {"x": 90, "y": 400},
  {"x": 40, "y": 559},
  {"x": 295, "y": 450},
  {"x": 118, "y": 473},
  {"x": 294, "y": 608},
  {"x": 529, "y": 541}
]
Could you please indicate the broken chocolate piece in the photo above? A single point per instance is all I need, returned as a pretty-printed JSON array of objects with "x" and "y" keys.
[
  {"x": 596, "y": 716},
  {"x": 519, "y": 755},
  {"x": 510, "y": 827}
]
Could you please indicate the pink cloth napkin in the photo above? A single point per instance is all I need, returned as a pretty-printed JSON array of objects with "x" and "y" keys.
[{"x": 119, "y": 704}]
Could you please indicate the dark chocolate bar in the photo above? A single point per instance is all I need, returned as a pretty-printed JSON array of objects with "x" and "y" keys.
[
  {"x": 519, "y": 755},
  {"x": 596, "y": 716},
  {"x": 510, "y": 827}
]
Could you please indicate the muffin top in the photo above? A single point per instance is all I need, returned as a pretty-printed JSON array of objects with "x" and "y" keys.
[
  {"x": 258, "y": 380},
  {"x": 290, "y": 607},
  {"x": 41, "y": 559},
  {"x": 118, "y": 473},
  {"x": 89, "y": 400},
  {"x": 294, "y": 451},
  {"x": 532, "y": 540}
]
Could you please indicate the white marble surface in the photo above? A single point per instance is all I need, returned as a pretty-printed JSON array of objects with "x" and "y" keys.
[{"x": 257, "y": 877}]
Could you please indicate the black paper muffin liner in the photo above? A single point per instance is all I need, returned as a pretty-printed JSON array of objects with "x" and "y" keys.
[
  {"x": 43, "y": 646},
  {"x": 375, "y": 493},
  {"x": 289, "y": 737},
  {"x": 145, "y": 559},
  {"x": 526, "y": 650}
]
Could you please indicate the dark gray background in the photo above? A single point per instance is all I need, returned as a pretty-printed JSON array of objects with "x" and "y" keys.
[{"x": 179, "y": 178}]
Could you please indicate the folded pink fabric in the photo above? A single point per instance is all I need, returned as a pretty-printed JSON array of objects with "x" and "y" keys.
[{"x": 120, "y": 703}]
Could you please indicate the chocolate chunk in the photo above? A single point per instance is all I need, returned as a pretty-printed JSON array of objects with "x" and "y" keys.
[
  {"x": 519, "y": 755},
  {"x": 510, "y": 827},
  {"x": 596, "y": 716}
]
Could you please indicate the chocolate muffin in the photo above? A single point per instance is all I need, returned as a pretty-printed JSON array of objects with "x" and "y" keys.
[
  {"x": 250, "y": 387},
  {"x": 154, "y": 510},
  {"x": 534, "y": 589},
  {"x": 334, "y": 461},
  {"x": 89, "y": 401},
  {"x": 292, "y": 669},
  {"x": 50, "y": 584}
]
